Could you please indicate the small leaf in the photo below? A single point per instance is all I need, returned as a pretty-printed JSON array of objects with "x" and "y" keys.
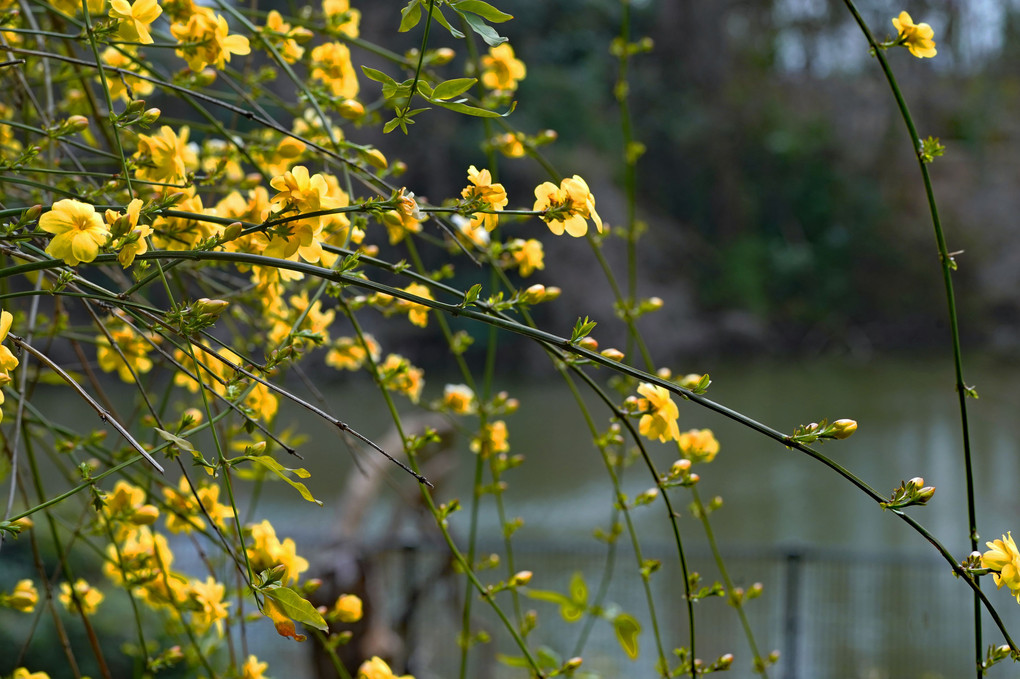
[
  {"x": 378, "y": 76},
  {"x": 183, "y": 444},
  {"x": 483, "y": 9},
  {"x": 424, "y": 89},
  {"x": 281, "y": 471},
  {"x": 391, "y": 125},
  {"x": 410, "y": 16},
  {"x": 474, "y": 110},
  {"x": 627, "y": 631},
  {"x": 579, "y": 589},
  {"x": 451, "y": 88},
  {"x": 472, "y": 294},
  {"x": 283, "y": 605},
  {"x": 487, "y": 32},
  {"x": 437, "y": 14},
  {"x": 512, "y": 661}
]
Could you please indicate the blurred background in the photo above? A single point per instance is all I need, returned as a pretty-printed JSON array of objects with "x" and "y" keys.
[{"x": 789, "y": 236}]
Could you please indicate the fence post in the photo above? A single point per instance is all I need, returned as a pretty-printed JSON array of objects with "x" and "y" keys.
[{"x": 791, "y": 611}]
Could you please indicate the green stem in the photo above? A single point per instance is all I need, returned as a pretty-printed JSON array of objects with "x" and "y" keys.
[{"x": 946, "y": 262}]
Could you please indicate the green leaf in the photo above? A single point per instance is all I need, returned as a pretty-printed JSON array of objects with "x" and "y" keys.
[
  {"x": 391, "y": 125},
  {"x": 183, "y": 444},
  {"x": 483, "y": 9},
  {"x": 627, "y": 631},
  {"x": 579, "y": 589},
  {"x": 451, "y": 88},
  {"x": 437, "y": 14},
  {"x": 512, "y": 661},
  {"x": 546, "y": 595},
  {"x": 296, "y": 608},
  {"x": 378, "y": 76},
  {"x": 424, "y": 89},
  {"x": 410, "y": 16},
  {"x": 281, "y": 471},
  {"x": 470, "y": 296},
  {"x": 487, "y": 32},
  {"x": 474, "y": 110}
]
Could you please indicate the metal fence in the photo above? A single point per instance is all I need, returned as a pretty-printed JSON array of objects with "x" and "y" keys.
[{"x": 831, "y": 614}]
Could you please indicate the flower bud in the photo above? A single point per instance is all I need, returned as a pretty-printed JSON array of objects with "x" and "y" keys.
[
  {"x": 443, "y": 55},
  {"x": 652, "y": 304},
  {"x": 520, "y": 578},
  {"x": 589, "y": 343},
  {"x": 210, "y": 307},
  {"x": 376, "y": 159},
  {"x": 534, "y": 294},
  {"x": 134, "y": 107},
  {"x": 348, "y": 608},
  {"x": 612, "y": 354},
  {"x": 572, "y": 664},
  {"x": 150, "y": 116},
  {"x": 32, "y": 213},
  {"x": 24, "y": 597},
  {"x": 231, "y": 232},
  {"x": 75, "y": 124},
  {"x": 843, "y": 429},
  {"x": 205, "y": 77},
  {"x": 351, "y": 109},
  {"x": 546, "y": 136},
  {"x": 680, "y": 467},
  {"x": 25, "y": 523}
]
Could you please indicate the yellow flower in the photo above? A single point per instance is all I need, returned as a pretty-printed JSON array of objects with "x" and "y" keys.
[
  {"x": 119, "y": 58},
  {"x": 183, "y": 513},
  {"x": 528, "y": 255},
  {"x": 501, "y": 70},
  {"x": 267, "y": 552},
  {"x": 1004, "y": 558},
  {"x": 349, "y": 354},
  {"x": 459, "y": 399},
  {"x": 348, "y": 608},
  {"x": 509, "y": 144},
  {"x": 284, "y": 37},
  {"x": 341, "y": 17},
  {"x": 418, "y": 314},
  {"x": 397, "y": 374},
  {"x": 491, "y": 440},
  {"x": 133, "y": 355},
  {"x": 205, "y": 40},
  {"x": 73, "y": 7},
  {"x": 143, "y": 557},
  {"x": 698, "y": 445},
  {"x": 253, "y": 669},
  {"x": 22, "y": 673},
  {"x": 209, "y": 596},
  {"x": 87, "y": 596},
  {"x": 165, "y": 157},
  {"x": 567, "y": 206},
  {"x": 331, "y": 63},
  {"x": 915, "y": 37},
  {"x": 399, "y": 223},
  {"x": 132, "y": 235},
  {"x": 8, "y": 361},
  {"x": 490, "y": 197},
  {"x": 135, "y": 18},
  {"x": 24, "y": 597},
  {"x": 78, "y": 231},
  {"x": 376, "y": 668},
  {"x": 126, "y": 505},
  {"x": 660, "y": 413}
]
